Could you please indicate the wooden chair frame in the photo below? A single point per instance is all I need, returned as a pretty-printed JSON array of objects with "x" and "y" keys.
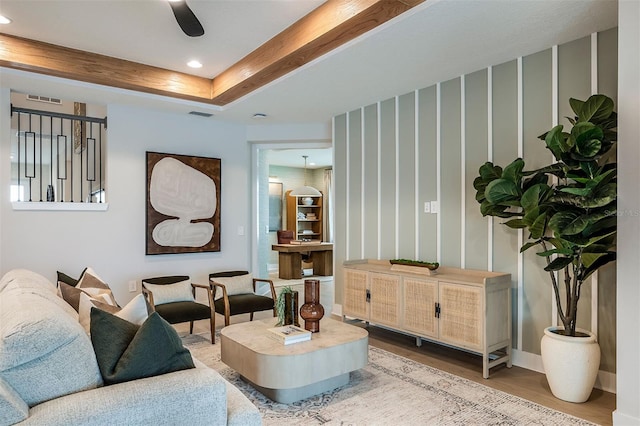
[{"x": 227, "y": 307}]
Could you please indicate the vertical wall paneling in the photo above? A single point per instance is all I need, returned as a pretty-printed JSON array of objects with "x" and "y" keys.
[
  {"x": 439, "y": 170},
  {"x": 450, "y": 207},
  {"x": 475, "y": 151},
  {"x": 490, "y": 221},
  {"x": 505, "y": 150},
  {"x": 406, "y": 206},
  {"x": 537, "y": 93},
  {"x": 370, "y": 182},
  {"x": 463, "y": 175},
  {"x": 520, "y": 232},
  {"x": 554, "y": 119},
  {"x": 607, "y": 280},
  {"x": 362, "y": 184},
  {"x": 594, "y": 276},
  {"x": 354, "y": 188},
  {"x": 574, "y": 81},
  {"x": 340, "y": 201},
  {"x": 426, "y": 172},
  {"x": 427, "y": 145},
  {"x": 387, "y": 178},
  {"x": 416, "y": 175}
]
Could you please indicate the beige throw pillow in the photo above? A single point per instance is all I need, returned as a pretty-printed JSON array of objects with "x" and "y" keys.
[
  {"x": 95, "y": 287},
  {"x": 168, "y": 293},
  {"x": 241, "y": 284},
  {"x": 135, "y": 311}
]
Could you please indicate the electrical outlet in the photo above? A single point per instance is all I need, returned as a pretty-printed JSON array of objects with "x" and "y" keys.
[
  {"x": 427, "y": 207},
  {"x": 240, "y": 230},
  {"x": 133, "y": 286}
]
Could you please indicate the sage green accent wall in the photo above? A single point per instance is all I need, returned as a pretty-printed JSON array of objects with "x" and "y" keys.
[
  {"x": 483, "y": 115},
  {"x": 607, "y": 278},
  {"x": 505, "y": 149},
  {"x": 406, "y": 176},
  {"x": 355, "y": 183},
  {"x": 427, "y": 160},
  {"x": 537, "y": 96},
  {"x": 476, "y": 153},
  {"x": 388, "y": 179},
  {"x": 370, "y": 212},
  {"x": 450, "y": 172}
]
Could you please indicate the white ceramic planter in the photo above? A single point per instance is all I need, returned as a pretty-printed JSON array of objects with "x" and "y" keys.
[{"x": 571, "y": 364}]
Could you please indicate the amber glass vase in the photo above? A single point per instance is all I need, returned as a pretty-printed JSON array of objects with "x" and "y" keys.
[{"x": 312, "y": 311}]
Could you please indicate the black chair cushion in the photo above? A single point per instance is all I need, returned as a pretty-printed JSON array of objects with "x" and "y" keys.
[
  {"x": 227, "y": 274},
  {"x": 178, "y": 312},
  {"x": 244, "y": 303},
  {"x": 166, "y": 280}
]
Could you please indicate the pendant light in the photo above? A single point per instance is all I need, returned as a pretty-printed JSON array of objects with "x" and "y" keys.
[{"x": 305, "y": 191}]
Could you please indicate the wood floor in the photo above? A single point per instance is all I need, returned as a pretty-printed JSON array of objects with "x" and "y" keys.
[{"x": 517, "y": 381}]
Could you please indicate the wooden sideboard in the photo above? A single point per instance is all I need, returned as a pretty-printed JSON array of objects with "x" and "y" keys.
[{"x": 463, "y": 308}]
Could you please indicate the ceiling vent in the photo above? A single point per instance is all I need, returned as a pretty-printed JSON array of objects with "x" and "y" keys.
[
  {"x": 44, "y": 99},
  {"x": 201, "y": 114}
]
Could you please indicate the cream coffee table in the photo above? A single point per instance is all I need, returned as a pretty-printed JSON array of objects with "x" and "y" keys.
[{"x": 288, "y": 373}]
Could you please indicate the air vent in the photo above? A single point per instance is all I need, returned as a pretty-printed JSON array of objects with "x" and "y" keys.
[
  {"x": 201, "y": 114},
  {"x": 44, "y": 99}
]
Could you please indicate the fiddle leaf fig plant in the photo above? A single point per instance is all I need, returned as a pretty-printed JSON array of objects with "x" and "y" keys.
[{"x": 568, "y": 208}]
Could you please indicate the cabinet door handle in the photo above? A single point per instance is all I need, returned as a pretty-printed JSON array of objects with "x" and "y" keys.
[
  {"x": 437, "y": 310},
  {"x": 368, "y": 296}
]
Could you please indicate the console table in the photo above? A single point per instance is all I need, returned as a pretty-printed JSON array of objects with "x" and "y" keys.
[
  {"x": 463, "y": 308},
  {"x": 290, "y": 259}
]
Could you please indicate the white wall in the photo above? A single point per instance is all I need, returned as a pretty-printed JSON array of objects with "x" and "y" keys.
[
  {"x": 113, "y": 242},
  {"x": 628, "y": 316}
]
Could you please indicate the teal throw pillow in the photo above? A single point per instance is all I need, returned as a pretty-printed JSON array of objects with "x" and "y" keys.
[{"x": 126, "y": 351}]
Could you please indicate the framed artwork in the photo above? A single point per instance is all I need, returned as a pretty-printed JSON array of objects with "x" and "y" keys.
[
  {"x": 275, "y": 206},
  {"x": 183, "y": 204}
]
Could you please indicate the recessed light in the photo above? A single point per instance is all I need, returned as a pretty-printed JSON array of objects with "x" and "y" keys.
[
  {"x": 4, "y": 20},
  {"x": 259, "y": 116},
  {"x": 194, "y": 64}
]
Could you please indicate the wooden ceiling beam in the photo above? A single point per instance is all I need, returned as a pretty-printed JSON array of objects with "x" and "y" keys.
[
  {"x": 331, "y": 25},
  {"x": 45, "y": 58}
]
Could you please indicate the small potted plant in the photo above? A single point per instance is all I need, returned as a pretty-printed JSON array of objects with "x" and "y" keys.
[
  {"x": 568, "y": 210},
  {"x": 287, "y": 307}
]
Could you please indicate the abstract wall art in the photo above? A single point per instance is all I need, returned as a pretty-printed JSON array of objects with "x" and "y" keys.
[{"x": 183, "y": 204}]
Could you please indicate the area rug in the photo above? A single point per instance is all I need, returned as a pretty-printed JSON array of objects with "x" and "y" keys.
[{"x": 391, "y": 390}]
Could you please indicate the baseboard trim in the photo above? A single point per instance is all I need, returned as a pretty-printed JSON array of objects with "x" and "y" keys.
[{"x": 605, "y": 381}]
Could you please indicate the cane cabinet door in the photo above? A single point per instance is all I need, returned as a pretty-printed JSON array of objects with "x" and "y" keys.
[
  {"x": 385, "y": 299},
  {"x": 419, "y": 314},
  {"x": 461, "y": 315},
  {"x": 355, "y": 302}
]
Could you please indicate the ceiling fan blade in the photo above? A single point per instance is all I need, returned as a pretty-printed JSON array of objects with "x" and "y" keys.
[{"x": 186, "y": 19}]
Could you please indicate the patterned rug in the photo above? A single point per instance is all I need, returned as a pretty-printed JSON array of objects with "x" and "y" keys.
[{"x": 391, "y": 390}]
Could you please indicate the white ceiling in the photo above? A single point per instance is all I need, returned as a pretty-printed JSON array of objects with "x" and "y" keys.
[
  {"x": 316, "y": 158},
  {"x": 435, "y": 41}
]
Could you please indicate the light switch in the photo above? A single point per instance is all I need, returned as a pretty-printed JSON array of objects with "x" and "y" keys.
[
  {"x": 240, "y": 230},
  {"x": 427, "y": 207},
  {"x": 435, "y": 207}
]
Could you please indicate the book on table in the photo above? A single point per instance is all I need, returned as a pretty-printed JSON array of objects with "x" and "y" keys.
[
  {"x": 299, "y": 242},
  {"x": 289, "y": 334}
]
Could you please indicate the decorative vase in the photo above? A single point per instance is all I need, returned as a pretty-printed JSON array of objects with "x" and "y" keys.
[
  {"x": 312, "y": 311},
  {"x": 291, "y": 309},
  {"x": 307, "y": 201},
  {"x": 571, "y": 364}
]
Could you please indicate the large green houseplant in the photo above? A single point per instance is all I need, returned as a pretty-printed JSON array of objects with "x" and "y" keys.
[{"x": 568, "y": 208}]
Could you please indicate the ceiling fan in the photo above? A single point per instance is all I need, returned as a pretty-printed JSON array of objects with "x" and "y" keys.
[{"x": 186, "y": 18}]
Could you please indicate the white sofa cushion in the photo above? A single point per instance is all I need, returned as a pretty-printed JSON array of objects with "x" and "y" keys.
[
  {"x": 135, "y": 311},
  {"x": 12, "y": 408},
  {"x": 44, "y": 352}
]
